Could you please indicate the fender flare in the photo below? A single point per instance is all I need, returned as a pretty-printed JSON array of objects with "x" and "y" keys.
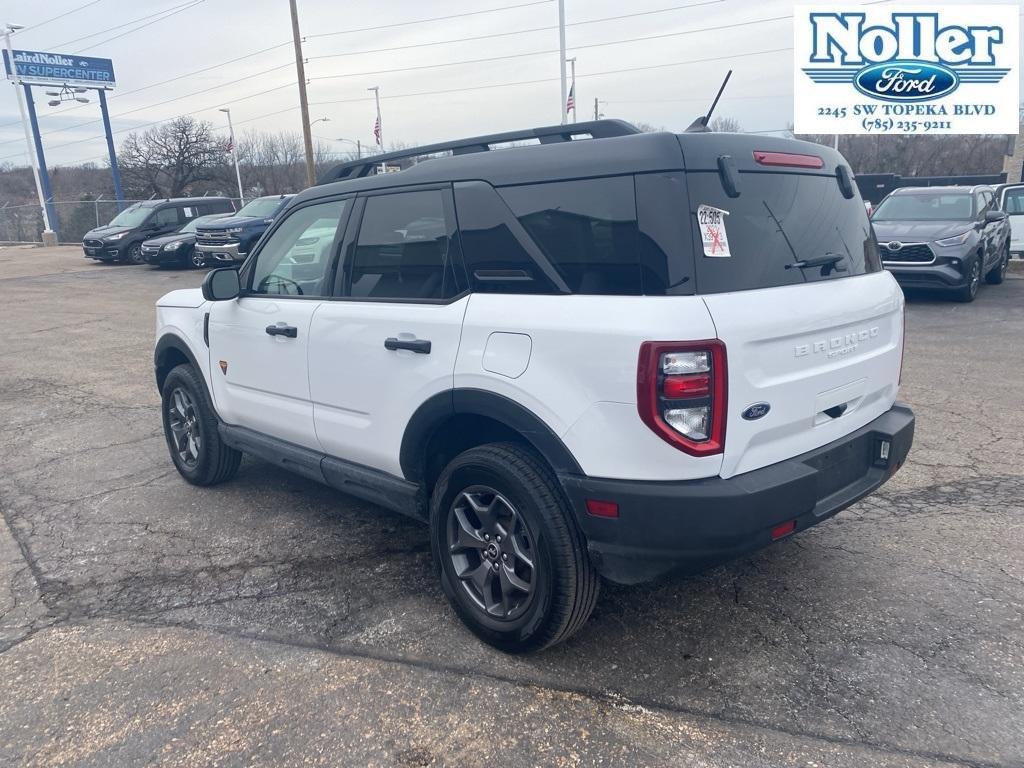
[
  {"x": 478, "y": 402},
  {"x": 173, "y": 341}
]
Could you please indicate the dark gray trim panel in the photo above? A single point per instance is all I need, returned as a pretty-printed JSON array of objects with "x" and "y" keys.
[
  {"x": 478, "y": 402},
  {"x": 365, "y": 483}
]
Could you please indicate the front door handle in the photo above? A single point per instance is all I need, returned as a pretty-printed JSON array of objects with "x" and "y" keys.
[
  {"x": 283, "y": 330},
  {"x": 421, "y": 346}
]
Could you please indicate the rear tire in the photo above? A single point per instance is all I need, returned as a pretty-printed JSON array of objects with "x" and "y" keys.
[
  {"x": 511, "y": 559},
  {"x": 969, "y": 292},
  {"x": 190, "y": 427},
  {"x": 996, "y": 275}
]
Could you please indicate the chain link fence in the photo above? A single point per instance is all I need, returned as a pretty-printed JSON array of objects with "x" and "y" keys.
[{"x": 24, "y": 223}]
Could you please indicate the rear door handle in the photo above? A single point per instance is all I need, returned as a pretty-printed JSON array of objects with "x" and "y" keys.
[
  {"x": 283, "y": 330},
  {"x": 421, "y": 346}
]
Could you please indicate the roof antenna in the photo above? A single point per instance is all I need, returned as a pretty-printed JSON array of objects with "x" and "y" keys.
[{"x": 700, "y": 125}]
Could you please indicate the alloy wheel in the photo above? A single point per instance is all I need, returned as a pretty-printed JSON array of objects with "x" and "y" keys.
[
  {"x": 492, "y": 551},
  {"x": 183, "y": 420},
  {"x": 975, "y": 275},
  {"x": 1005, "y": 265},
  {"x": 135, "y": 254},
  {"x": 197, "y": 260}
]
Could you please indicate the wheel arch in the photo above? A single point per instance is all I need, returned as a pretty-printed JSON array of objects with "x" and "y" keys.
[
  {"x": 171, "y": 351},
  {"x": 453, "y": 421}
]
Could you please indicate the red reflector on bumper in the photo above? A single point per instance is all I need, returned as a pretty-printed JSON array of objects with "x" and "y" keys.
[
  {"x": 783, "y": 529},
  {"x": 602, "y": 508}
]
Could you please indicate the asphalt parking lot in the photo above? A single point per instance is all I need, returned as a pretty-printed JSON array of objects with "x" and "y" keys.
[{"x": 273, "y": 621}]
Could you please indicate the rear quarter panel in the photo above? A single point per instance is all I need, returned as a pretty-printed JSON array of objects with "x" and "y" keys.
[{"x": 580, "y": 378}]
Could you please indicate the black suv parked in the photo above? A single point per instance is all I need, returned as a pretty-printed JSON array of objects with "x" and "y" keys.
[{"x": 122, "y": 238}]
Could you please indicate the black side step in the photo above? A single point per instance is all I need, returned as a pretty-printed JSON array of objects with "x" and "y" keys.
[{"x": 388, "y": 491}]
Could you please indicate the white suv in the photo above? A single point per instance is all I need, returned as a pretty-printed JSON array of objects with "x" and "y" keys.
[{"x": 614, "y": 357}]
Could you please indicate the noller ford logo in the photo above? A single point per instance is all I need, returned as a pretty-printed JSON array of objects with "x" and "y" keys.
[{"x": 911, "y": 69}]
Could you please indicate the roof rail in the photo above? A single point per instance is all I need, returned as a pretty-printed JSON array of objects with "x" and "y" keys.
[{"x": 554, "y": 134}]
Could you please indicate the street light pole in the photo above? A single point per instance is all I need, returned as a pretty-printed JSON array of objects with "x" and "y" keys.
[
  {"x": 307, "y": 133},
  {"x": 561, "y": 56},
  {"x": 49, "y": 237},
  {"x": 234, "y": 156}
]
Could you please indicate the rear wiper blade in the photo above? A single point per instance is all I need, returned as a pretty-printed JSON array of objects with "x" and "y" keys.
[{"x": 818, "y": 261}]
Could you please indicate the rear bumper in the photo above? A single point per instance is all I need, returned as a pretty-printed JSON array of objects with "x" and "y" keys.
[{"x": 691, "y": 525}]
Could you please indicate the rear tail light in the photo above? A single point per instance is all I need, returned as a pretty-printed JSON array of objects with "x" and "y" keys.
[{"x": 681, "y": 393}]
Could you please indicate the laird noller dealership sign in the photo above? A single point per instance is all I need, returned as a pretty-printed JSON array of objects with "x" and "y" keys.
[
  {"x": 906, "y": 69},
  {"x": 38, "y": 68}
]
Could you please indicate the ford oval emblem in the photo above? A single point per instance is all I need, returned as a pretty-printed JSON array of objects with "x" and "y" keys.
[
  {"x": 756, "y": 411},
  {"x": 904, "y": 80}
]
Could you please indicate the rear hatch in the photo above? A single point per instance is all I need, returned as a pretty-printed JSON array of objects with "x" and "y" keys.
[{"x": 792, "y": 279}]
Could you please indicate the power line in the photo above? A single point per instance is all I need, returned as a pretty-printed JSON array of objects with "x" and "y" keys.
[
  {"x": 157, "y": 104},
  {"x": 550, "y": 51},
  {"x": 61, "y": 15},
  {"x": 433, "y": 18},
  {"x": 180, "y": 9},
  {"x": 550, "y": 79},
  {"x": 517, "y": 32},
  {"x": 119, "y": 26},
  {"x": 166, "y": 119}
]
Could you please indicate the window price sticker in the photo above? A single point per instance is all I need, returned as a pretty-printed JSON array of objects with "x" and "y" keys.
[{"x": 712, "y": 231}]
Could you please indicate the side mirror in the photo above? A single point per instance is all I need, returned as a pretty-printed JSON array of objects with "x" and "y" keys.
[
  {"x": 221, "y": 285},
  {"x": 995, "y": 216}
]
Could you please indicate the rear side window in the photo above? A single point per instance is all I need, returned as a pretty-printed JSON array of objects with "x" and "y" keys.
[
  {"x": 166, "y": 217},
  {"x": 778, "y": 224},
  {"x": 402, "y": 250},
  {"x": 587, "y": 230}
]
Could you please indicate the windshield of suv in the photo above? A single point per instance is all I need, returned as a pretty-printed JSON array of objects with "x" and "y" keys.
[
  {"x": 261, "y": 207},
  {"x": 926, "y": 206},
  {"x": 131, "y": 216}
]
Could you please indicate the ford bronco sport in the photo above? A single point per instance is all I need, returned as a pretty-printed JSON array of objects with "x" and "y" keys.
[{"x": 610, "y": 354}]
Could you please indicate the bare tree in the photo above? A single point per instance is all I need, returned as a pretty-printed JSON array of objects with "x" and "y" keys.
[
  {"x": 725, "y": 125},
  {"x": 171, "y": 159}
]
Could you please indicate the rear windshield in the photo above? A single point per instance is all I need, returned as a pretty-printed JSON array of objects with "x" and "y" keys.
[
  {"x": 926, "y": 206},
  {"x": 782, "y": 229}
]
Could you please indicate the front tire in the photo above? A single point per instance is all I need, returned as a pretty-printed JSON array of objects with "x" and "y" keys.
[
  {"x": 190, "y": 428},
  {"x": 968, "y": 293},
  {"x": 511, "y": 559},
  {"x": 134, "y": 254},
  {"x": 998, "y": 273}
]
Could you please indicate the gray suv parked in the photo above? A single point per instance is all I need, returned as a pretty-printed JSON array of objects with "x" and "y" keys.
[{"x": 943, "y": 238}]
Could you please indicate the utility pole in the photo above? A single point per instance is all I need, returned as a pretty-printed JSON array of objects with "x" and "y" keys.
[
  {"x": 561, "y": 56},
  {"x": 234, "y": 155},
  {"x": 49, "y": 237},
  {"x": 300, "y": 70}
]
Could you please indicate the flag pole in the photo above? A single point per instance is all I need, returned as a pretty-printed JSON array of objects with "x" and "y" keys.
[
  {"x": 561, "y": 48},
  {"x": 572, "y": 88}
]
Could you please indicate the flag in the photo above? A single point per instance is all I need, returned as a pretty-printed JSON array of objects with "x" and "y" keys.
[
  {"x": 231, "y": 145},
  {"x": 376, "y": 129},
  {"x": 570, "y": 103}
]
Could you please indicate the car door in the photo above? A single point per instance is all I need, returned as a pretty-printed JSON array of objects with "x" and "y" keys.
[
  {"x": 990, "y": 229},
  {"x": 389, "y": 339},
  {"x": 165, "y": 221},
  {"x": 259, "y": 342}
]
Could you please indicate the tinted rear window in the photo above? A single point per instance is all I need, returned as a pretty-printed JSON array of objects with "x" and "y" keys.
[
  {"x": 778, "y": 221},
  {"x": 587, "y": 229}
]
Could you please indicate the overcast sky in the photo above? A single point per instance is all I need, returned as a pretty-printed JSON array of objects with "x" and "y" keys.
[{"x": 481, "y": 97}]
